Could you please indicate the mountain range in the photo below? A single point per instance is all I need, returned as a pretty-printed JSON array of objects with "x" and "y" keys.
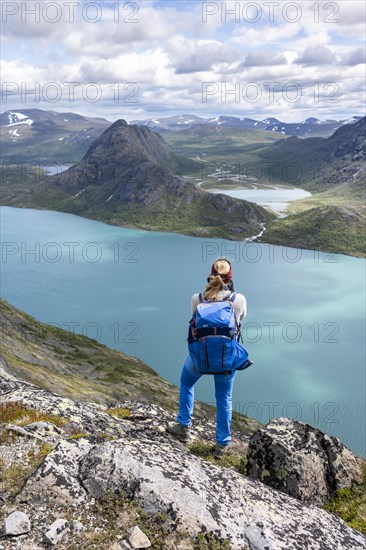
[
  {"x": 309, "y": 127},
  {"x": 126, "y": 179},
  {"x": 323, "y": 162},
  {"x": 36, "y": 135},
  {"x": 333, "y": 169}
]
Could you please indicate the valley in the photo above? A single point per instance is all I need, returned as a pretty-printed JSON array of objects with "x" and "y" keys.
[
  {"x": 331, "y": 171},
  {"x": 306, "y": 192}
]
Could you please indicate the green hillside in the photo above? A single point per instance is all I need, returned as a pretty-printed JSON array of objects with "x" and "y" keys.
[{"x": 339, "y": 229}]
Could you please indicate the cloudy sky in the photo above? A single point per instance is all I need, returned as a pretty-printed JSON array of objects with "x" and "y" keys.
[{"x": 146, "y": 59}]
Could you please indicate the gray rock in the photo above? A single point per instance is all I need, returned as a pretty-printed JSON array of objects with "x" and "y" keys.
[
  {"x": 76, "y": 526},
  {"x": 259, "y": 538},
  {"x": 17, "y": 523},
  {"x": 301, "y": 461},
  {"x": 46, "y": 430},
  {"x": 12, "y": 428},
  {"x": 198, "y": 495},
  {"x": 125, "y": 545},
  {"x": 86, "y": 417},
  {"x": 57, "y": 476},
  {"x": 57, "y": 531},
  {"x": 138, "y": 539}
]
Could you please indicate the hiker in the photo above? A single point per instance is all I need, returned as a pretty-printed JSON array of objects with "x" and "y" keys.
[{"x": 220, "y": 286}]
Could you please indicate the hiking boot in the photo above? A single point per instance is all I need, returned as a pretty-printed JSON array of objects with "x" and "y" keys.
[
  {"x": 220, "y": 450},
  {"x": 180, "y": 431}
]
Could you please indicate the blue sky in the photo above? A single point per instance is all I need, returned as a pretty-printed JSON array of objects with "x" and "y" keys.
[{"x": 143, "y": 59}]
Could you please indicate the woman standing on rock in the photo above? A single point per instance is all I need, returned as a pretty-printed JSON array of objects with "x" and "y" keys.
[{"x": 219, "y": 287}]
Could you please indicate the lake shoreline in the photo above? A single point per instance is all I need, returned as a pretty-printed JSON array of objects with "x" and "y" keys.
[{"x": 278, "y": 241}]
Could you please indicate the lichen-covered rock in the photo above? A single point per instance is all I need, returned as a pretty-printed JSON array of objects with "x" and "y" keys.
[
  {"x": 57, "y": 531},
  {"x": 17, "y": 523},
  {"x": 46, "y": 430},
  {"x": 260, "y": 537},
  {"x": 301, "y": 461},
  {"x": 86, "y": 417},
  {"x": 199, "y": 495},
  {"x": 90, "y": 418},
  {"x": 76, "y": 526},
  {"x": 57, "y": 477}
]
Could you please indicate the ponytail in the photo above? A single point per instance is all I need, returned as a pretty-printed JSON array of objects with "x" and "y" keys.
[{"x": 215, "y": 285}]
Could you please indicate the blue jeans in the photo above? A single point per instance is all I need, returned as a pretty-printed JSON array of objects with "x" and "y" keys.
[{"x": 223, "y": 394}]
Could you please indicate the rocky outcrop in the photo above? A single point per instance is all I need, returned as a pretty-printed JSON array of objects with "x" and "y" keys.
[
  {"x": 301, "y": 461},
  {"x": 133, "y": 458}
]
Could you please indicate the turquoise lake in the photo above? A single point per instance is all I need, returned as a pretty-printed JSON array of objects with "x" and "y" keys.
[{"x": 131, "y": 290}]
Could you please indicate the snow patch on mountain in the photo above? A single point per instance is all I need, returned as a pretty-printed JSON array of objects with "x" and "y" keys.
[
  {"x": 18, "y": 118},
  {"x": 350, "y": 120}
]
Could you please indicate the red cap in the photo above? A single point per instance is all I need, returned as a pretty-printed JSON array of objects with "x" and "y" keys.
[{"x": 226, "y": 277}]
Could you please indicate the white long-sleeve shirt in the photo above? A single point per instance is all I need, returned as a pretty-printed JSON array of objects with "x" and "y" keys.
[{"x": 239, "y": 304}]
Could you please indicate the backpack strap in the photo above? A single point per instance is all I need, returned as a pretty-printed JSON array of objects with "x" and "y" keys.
[{"x": 231, "y": 297}]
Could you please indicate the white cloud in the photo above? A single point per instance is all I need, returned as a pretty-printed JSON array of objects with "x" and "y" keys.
[
  {"x": 317, "y": 55},
  {"x": 356, "y": 57},
  {"x": 189, "y": 56},
  {"x": 171, "y": 51},
  {"x": 264, "y": 58}
]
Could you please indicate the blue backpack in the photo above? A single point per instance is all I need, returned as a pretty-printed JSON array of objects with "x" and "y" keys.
[{"x": 213, "y": 337}]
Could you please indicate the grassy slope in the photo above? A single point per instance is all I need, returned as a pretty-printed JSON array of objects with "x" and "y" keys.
[
  {"x": 348, "y": 194},
  {"x": 350, "y": 505},
  {"x": 236, "y": 149},
  {"x": 337, "y": 229},
  {"x": 230, "y": 145},
  {"x": 84, "y": 369}
]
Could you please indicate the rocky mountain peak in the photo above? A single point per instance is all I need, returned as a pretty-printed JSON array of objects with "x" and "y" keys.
[{"x": 122, "y": 139}]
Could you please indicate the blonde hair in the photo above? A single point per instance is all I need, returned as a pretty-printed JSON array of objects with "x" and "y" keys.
[{"x": 216, "y": 284}]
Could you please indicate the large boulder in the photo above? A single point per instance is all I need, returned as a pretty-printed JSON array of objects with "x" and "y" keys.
[
  {"x": 301, "y": 461},
  {"x": 200, "y": 496}
]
